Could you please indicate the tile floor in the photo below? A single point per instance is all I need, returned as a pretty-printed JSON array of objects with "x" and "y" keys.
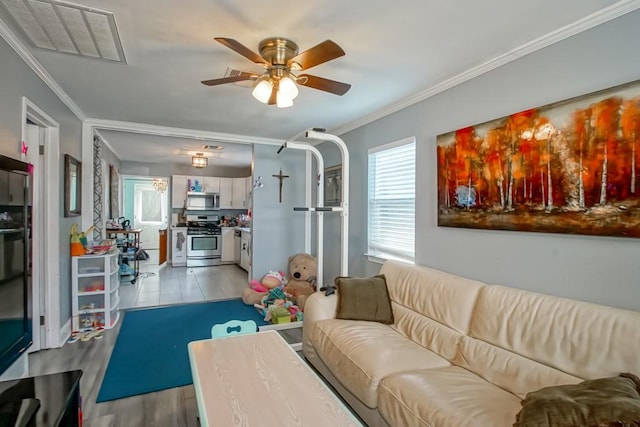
[{"x": 169, "y": 285}]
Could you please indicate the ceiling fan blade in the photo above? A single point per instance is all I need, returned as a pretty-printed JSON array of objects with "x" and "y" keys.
[
  {"x": 242, "y": 50},
  {"x": 321, "y": 83},
  {"x": 223, "y": 80},
  {"x": 323, "y": 52},
  {"x": 274, "y": 96}
]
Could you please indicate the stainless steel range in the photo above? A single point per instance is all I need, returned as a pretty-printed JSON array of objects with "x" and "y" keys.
[{"x": 204, "y": 240}]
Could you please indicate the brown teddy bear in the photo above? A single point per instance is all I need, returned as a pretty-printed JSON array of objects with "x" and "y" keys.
[
  {"x": 301, "y": 279},
  {"x": 256, "y": 290}
]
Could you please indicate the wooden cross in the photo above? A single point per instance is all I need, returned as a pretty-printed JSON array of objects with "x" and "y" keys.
[{"x": 281, "y": 178}]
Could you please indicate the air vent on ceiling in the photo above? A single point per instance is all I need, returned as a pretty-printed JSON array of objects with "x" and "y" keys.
[
  {"x": 232, "y": 72},
  {"x": 69, "y": 28},
  {"x": 208, "y": 147}
]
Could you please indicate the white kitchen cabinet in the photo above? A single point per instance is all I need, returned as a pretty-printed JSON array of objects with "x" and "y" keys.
[
  {"x": 228, "y": 246},
  {"x": 226, "y": 193},
  {"x": 179, "y": 247},
  {"x": 237, "y": 244},
  {"x": 239, "y": 193},
  {"x": 245, "y": 260},
  {"x": 211, "y": 184},
  {"x": 94, "y": 291},
  {"x": 12, "y": 189},
  {"x": 248, "y": 192},
  {"x": 178, "y": 191}
]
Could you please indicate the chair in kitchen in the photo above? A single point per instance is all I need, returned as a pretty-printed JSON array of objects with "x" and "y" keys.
[{"x": 233, "y": 327}]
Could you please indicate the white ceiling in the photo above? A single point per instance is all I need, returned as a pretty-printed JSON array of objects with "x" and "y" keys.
[{"x": 394, "y": 53}]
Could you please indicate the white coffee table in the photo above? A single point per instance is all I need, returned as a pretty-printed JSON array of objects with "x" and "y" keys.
[{"x": 258, "y": 380}]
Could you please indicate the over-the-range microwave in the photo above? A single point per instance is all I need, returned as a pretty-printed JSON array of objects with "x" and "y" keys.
[{"x": 197, "y": 201}]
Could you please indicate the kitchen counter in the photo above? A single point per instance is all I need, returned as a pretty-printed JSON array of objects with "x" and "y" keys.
[{"x": 237, "y": 228}]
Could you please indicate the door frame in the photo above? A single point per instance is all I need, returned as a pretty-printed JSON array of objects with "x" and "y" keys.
[
  {"x": 150, "y": 180},
  {"x": 50, "y": 203}
]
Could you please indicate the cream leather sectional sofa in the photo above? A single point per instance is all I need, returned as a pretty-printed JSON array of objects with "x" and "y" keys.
[{"x": 461, "y": 352}]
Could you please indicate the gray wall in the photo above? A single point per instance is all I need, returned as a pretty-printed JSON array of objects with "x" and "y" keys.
[
  {"x": 597, "y": 269},
  {"x": 332, "y": 254},
  {"x": 277, "y": 232},
  {"x": 17, "y": 80}
]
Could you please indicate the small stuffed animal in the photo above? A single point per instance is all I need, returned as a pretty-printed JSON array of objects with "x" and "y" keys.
[{"x": 301, "y": 280}]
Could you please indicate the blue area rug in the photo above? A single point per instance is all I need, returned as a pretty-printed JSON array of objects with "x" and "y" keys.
[{"x": 151, "y": 350}]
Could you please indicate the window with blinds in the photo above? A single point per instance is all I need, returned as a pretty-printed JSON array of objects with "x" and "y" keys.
[{"x": 392, "y": 200}]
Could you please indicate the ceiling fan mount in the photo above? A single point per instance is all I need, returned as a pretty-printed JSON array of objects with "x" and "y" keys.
[
  {"x": 278, "y": 51},
  {"x": 280, "y": 58}
]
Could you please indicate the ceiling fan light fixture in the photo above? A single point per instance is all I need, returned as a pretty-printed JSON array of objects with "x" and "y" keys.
[
  {"x": 283, "y": 101},
  {"x": 262, "y": 89},
  {"x": 288, "y": 87}
]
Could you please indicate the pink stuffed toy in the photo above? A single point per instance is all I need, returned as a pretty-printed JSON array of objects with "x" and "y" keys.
[
  {"x": 257, "y": 286},
  {"x": 257, "y": 289}
]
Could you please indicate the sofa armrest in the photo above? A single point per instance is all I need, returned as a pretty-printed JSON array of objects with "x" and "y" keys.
[{"x": 317, "y": 307}]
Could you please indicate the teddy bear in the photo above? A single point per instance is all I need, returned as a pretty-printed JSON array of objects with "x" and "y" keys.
[
  {"x": 301, "y": 279},
  {"x": 257, "y": 290}
]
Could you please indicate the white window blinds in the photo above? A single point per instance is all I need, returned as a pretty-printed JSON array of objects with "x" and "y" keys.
[{"x": 392, "y": 172}]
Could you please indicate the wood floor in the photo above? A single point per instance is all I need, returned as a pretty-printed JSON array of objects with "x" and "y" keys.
[{"x": 171, "y": 408}]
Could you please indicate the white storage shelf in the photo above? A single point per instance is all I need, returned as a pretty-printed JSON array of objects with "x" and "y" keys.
[{"x": 95, "y": 291}]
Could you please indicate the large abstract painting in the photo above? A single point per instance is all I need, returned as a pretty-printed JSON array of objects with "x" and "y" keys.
[{"x": 568, "y": 167}]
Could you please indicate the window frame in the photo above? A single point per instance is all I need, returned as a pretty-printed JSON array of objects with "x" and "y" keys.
[{"x": 380, "y": 258}]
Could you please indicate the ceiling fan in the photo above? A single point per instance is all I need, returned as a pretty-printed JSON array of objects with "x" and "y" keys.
[{"x": 280, "y": 58}]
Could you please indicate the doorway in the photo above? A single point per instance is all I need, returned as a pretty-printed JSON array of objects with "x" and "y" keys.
[
  {"x": 40, "y": 134},
  {"x": 146, "y": 207}
]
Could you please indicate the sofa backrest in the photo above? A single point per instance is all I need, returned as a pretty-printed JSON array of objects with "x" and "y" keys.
[
  {"x": 431, "y": 308},
  {"x": 537, "y": 336}
]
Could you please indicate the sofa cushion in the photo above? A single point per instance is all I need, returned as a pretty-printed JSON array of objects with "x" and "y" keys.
[
  {"x": 600, "y": 402},
  {"x": 510, "y": 371},
  {"x": 364, "y": 298},
  {"x": 425, "y": 331},
  {"x": 582, "y": 339},
  {"x": 442, "y": 397},
  {"x": 443, "y": 297},
  {"x": 360, "y": 354}
]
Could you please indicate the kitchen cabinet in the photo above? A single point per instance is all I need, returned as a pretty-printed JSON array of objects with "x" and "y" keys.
[
  {"x": 211, "y": 184},
  {"x": 179, "y": 247},
  {"x": 228, "y": 246},
  {"x": 234, "y": 192},
  {"x": 178, "y": 191},
  {"x": 94, "y": 289},
  {"x": 239, "y": 193},
  {"x": 245, "y": 241},
  {"x": 237, "y": 244},
  {"x": 226, "y": 191},
  {"x": 248, "y": 192},
  {"x": 12, "y": 189}
]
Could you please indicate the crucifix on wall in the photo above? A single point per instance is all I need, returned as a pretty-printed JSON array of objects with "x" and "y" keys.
[{"x": 281, "y": 177}]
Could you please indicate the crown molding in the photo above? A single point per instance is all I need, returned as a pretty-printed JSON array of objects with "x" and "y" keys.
[
  {"x": 12, "y": 39},
  {"x": 147, "y": 129},
  {"x": 604, "y": 15}
]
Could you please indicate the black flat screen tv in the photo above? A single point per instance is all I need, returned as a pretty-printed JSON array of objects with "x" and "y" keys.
[{"x": 15, "y": 289}]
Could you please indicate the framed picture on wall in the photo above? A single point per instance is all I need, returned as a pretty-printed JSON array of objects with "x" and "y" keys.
[{"x": 333, "y": 186}]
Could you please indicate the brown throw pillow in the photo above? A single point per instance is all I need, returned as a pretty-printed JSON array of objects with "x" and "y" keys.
[
  {"x": 601, "y": 402},
  {"x": 364, "y": 298}
]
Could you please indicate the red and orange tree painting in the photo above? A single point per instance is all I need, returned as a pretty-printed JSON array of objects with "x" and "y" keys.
[{"x": 569, "y": 167}]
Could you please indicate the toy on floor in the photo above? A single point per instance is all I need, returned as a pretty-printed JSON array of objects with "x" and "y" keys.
[
  {"x": 301, "y": 280},
  {"x": 276, "y": 301},
  {"x": 256, "y": 290}
]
